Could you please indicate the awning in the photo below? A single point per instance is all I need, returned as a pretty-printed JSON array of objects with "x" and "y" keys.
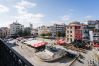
[
  {"x": 39, "y": 44},
  {"x": 60, "y": 42},
  {"x": 36, "y": 43}
]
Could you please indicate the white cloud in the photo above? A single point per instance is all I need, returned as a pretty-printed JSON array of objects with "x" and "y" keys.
[
  {"x": 24, "y": 5},
  {"x": 71, "y": 10},
  {"x": 88, "y": 17},
  {"x": 65, "y": 18},
  {"x": 26, "y": 18},
  {"x": 3, "y": 9},
  {"x": 29, "y": 16}
]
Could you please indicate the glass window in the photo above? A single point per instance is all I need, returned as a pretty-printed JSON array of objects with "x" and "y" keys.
[
  {"x": 67, "y": 31},
  {"x": 67, "y": 35},
  {"x": 67, "y": 39},
  {"x": 71, "y": 39},
  {"x": 68, "y": 27},
  {"x": 70, "y": 31},
  {"x": 71, "y": 27}
]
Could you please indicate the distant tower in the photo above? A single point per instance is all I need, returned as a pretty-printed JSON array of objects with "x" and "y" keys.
[{"x": 31, "y": 26}]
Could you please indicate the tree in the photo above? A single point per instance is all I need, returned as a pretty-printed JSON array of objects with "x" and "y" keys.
[
  {"x": 79, "y": 43},
  {"x": 49, "y": 34},
  {"x": 43, "y": 35},
  {"x": 27, "y": 32},
  {"x": 63, "y": 34},
  {"x": 20, "y": 33},
  {"x": 59, "y": 34}
]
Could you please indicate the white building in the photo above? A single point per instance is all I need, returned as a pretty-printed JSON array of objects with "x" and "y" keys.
[
  {"x": 96, "y": 35},
  {"x": 15, "y": 27},
  {"x": 43, "y": 30},
  {"x": 97, "y": 26},
  {"x": 94, "y": 26},
  {"x": 54, "y": 29}
]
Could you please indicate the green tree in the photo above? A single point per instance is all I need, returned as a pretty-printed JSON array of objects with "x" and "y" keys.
[
  {"x": 49, "y": 34},
  {"x": 42, "y": 34},
  {"x": 27, "y": 32},
  {"x": 63, "y": 34},
  {"x": 79, "y": 43},
  {"x": 20, "y": 33},
  {"x": 59, "y": 34}
]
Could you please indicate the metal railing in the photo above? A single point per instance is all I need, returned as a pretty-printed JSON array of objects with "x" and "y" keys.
[{"x": 9, "y": 57}]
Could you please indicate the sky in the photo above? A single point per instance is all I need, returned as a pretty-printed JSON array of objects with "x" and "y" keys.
[{"x": 47, "y": 12}]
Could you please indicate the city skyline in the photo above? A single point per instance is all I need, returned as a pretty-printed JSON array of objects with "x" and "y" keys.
[
  {"x": 49, "y": 33},
  {"x": 47, "y": 12}
]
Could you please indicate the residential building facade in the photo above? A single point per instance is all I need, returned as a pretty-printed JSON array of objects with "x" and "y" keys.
[
  {"x": 54, "y": 29},
  {"x": 85, "y": 32},
  {"x": 77, "y": 31},
  {"x": 15, "y": 27},
  {"x": 58, "y": 28},
  {"x": 93, "y": 25},
  {"x": 43, "y": 30}
]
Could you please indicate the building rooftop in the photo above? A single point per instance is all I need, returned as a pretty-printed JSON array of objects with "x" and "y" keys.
[{"x": 29, "y": 54}]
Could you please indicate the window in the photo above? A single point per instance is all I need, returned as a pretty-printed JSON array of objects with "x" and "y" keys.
[
  {"x": 67, "y": 39},
  {"x": 70, "y": 39},
  {"x": 70, "y": 31},
  {"x": 67, "y": 31},
  {"x": 71, "y": 27},
  {"x": 68, "y": 27},
  {"x": 70, "y": 35},
  {"x": 77, "y": 27},
  {"x": 67, "y": 35}
]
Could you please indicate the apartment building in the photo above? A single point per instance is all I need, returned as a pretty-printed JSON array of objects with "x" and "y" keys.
[
  {"x": 73, "y": 31},
  {"x": 54, "y": 29},
  {"x": 15, "y": 27},
  {"x": 58, "y": 28},
  {"x": 43, "y": 30},
  {"x": 93, "y": 26},
  {"x": 85, "y": 32}
]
